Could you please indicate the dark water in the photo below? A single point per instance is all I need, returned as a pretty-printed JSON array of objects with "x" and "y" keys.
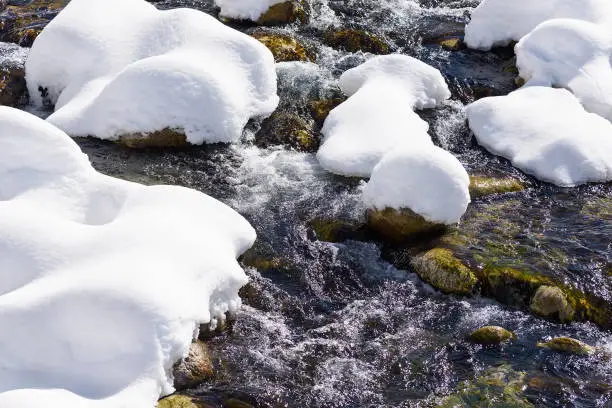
[{"x": 334, "y": 325}]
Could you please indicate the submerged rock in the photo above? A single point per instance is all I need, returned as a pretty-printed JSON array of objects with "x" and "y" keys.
[
  {"x": 162, "y": 138},
  {"x": 284, "y": 47},
  {"x": 490, "y": 335},
  {"x": 285, "y": 13},
  {"x": 481, "y": 186},
  {"x": 288, "y": 129},
  {"x": 550, "y": 301},
  {"x": 567, "y": 345},
  {"x": 395, "y": 226},
  {"x": 330, "y": 230},
  {"x": 193, "y": 369},
  {"x": 356, "y": 40},
  {"x": 442, "y": 270}
]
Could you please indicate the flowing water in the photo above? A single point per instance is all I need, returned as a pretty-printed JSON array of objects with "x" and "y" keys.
[{"x": 335, "y": 325}]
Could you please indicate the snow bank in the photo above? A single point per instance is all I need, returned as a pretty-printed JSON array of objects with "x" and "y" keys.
[
  {"x": 430, "y": 181},
  {"x": 102, "y": 281},
  {"x": 245, "y": 9},
  {"x": 134, "y": 69},
  {"x": 547, "y": 133},
  {"x": 379, "y": 115},
  {"x": 497, "y": 22},
  {"x": 572, "y": 54}
]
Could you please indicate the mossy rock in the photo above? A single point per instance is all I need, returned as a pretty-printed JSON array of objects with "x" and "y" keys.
[
  {"x": 285, "y": 13},
  {"x": 398, "y": 226},
  {"x": 481, "y": 186},
  {"x": 490, "y": 335},
  {"x": 442, "y": 270},
  {"x": 13, "y": 88},
  {"x": 179, "y": 401},
  {"x": 331, "y": 230},
  {"x": 568, "y": 345},
  {"x": 284, "y": 47},
  {"x": 161, "y": 138},
  {"x": 288, "y": 129},
  {"x": 21, "y": 24},
  {"x": 320, "y": 108},
  {"x": 194, "y": 369},
  {"x": 550, "y": 301},
  {"x": 356, "y": 40}
]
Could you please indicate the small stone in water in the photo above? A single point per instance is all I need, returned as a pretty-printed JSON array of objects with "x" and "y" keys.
[
  {"x": 489, "y": 335},
  {"x": 567, "y": 345}
]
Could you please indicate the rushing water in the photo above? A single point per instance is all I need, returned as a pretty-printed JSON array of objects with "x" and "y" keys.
[{"x": 334, "y": 325}]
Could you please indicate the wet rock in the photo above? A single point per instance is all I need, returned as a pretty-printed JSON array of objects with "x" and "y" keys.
[
  {"x": 236, "y": 403},
  {"x": 285, "y": 13},
  {"x": 550, "y": 301},
  {"x": 162, "y": 138},
  {"x": 330, "y": 230},
  {"x": 356, "y": 40},
  {"x": 490, "y": 335},
  {"x": 395, "y": 226},
  {"x": 442, "y": 270},
  {"x": 193, "y": 369},
  {"x": 179, "y": 401},
  {"x": 320, "y": 108},
  {"x": 481, "y": 186},
  {"x": 567, "y": 345},
  {"x": 284, "y": 47},
  {"x": 21, "y": 22},
  {"x": 13, "y": 89},
  {"x": 288, "y": 129}
]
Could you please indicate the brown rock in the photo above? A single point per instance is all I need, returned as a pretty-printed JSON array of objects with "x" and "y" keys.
[
  {"x": 396, "y": 226},
  {"x": 162, "y": 138},
  {"x": 193, "y": 369}
]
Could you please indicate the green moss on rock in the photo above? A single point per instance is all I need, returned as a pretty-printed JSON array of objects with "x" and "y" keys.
[
  {"x": 13, "y": 89},
  {"x": 550, "y": 301},
  {"x": 356, "y": 40},
  {"x": 178, "y": 401},
  {"x": 284, "y": 47},
  {"x": 285, "y": 13},
  {"x": 331, "y": 230},
  {"x": 320, "y": 108},
  {"x": 162, "y": 138},
  {"x": 568, "y": 345},
  {"x": 442, "y": 270},
  {"x": 490, "y": 335},
  {"x": 288, "y": 129},
  {"x": 395, "y": 227},
  {"x": 481, "y": 186}
]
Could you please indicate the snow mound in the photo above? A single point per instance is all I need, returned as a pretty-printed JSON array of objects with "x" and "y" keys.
[
  {"x": 133, "y": 69},
  {"x": 379, "y": 116},
  {"x": 245, "y": 9},
  {"x": 498, "y": 22},
  {"x": 547, "y": 133},
  {"x": 428, "y": 180},
  {"x": 102, "y": 282},
  {"x": 571, "y": 54}
]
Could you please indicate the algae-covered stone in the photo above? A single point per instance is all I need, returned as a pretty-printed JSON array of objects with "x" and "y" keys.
[
  {"x": 451, "y": 44},
  {"x": 550, "y": 301},
  {"x": 288, "y": 129},
  {"x": 481, "y": 186},
  {"x": 511, "y": 286},
  {"x": 13, "y": 89},
  {"x": 161, "y": 138},
  {"x": 193, "y": 369},
  {"x": 178, "y": 401},
  {"x": 395, "y": 226},
  {"x": 331, "y": 230},
  {"x": 490, "y": 335},
  {"x": 356, "y": 40},
  {"x": 283, "y": 47},
  {"x": 21, "y": 22},
  {"x": 442, "y": 270},
  {"x": 320, "y": 108},
  {"x": 567, "y": 345},
  {"x": 285, "y": 13}
]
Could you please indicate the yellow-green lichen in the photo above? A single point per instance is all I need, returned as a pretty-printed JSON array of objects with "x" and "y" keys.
[
  {"x": 442, "y": 270},
  {"x": 481, "y": 186}
]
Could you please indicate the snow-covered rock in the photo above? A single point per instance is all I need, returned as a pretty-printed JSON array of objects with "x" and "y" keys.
[
  {"x": 103, "y": 282},
  {"x": 245, "y": 9},
  {"x": 379, "y": 116},
  {"x": 116, "y": 67},
  {"x": 571, "y": 54},
  {"x": 547, "y": 133},
  {"x": 428, "y": 180},
  {"x": 497, "y": 22}
]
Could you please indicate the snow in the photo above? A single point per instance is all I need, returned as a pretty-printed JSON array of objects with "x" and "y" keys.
[
  {"x": 379, "y": 116},
  {"x": 245, "y": 9},
  {"x": 428, "y": 180},
  {"x": 103, "y": 282},
  {"x": 498, "y": 22},
  {"x": 136, "y": 69},
  {"x": 571, "y": 54},
  {"x": 547, "y": 133}
]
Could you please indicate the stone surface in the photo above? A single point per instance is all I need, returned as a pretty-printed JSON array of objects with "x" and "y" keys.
[
  {"x": 162, "y": 138},
  {"x": 287, "y": 129},
  {"x": 550, "y": 301},
  {"x": 490, "y": 335},
  {"x": 284, "y": 13},
  {"x": 481, "y": 186},
  {"x": 442, "y": 270},
  {"x": 193, "y": 369},
  {"x": 395, "y": 226},
  {"x": 283, "y": 47},
  {"x": 356, "y": 40},
  {"x": 567, "y": 345}
]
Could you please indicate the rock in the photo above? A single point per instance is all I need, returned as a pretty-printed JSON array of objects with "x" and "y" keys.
[
  {"x": 22, "y": 22},
  {"x": 288, "y": 129},
  {"x": 489, "y": 335},
  {"x": 161, "y": 138},
  {"x": 284, "y": 47},
  {"x": 193, "y": 369},
  {"x": 335, "y": 230},
  {"x": 178, "y": 401},
  {"x": 481, "y": 186},
  {"x": 452, "y": 44},
  {"x": 395, "y": 226},
  {"x": 568, "y": 345},
  {"x": 442, "y": 270},
  {"x": 285, "y": 13},
  {"x": 13, "y": 89},
  {"x": 550, "y": 301},
  {"x": 356, "y": 40},
  {"x": 320, "y": 108},
  {"x": 511, "y": 286}
]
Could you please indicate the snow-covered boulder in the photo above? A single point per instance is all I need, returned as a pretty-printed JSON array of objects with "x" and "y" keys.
[
  {"x": 379, "y": 116},
  {"x": 498, "y": 22},
  {"x": 117, "y": 67},
  {"x": 266, "y": 12},
  {"x": 103, "y": 282},
  {"x": 547, "y": 133},
  {"x": 571, "y": 54}
]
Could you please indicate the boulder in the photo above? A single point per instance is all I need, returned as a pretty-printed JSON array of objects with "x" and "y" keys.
[
  {"x": 284, "y": 13},
  {"x": 320, "y": 108},
  {"x": 395, "y": 226},
  {"x": 442, "y": 270},
  {"x": 21, "y": 22},
  {"x": 567, "y": 345},
  {"x": 550, "y": 301},
  {"x": 283, "y": 47},
  {"x": 163, "y": 138},
  {"x": 352, "y": 40},
  {"x": 193, "y": 369},
  {"x": 490, "y": 335},
  {"x": 481, "y": 186},
  {"x": 179, "y": 401},
  {"x": 288, "y": 129},
  {"x": 13, "y": 89}
]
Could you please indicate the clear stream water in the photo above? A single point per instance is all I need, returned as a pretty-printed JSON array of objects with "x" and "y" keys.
[{"x": 334, "y": 325}]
